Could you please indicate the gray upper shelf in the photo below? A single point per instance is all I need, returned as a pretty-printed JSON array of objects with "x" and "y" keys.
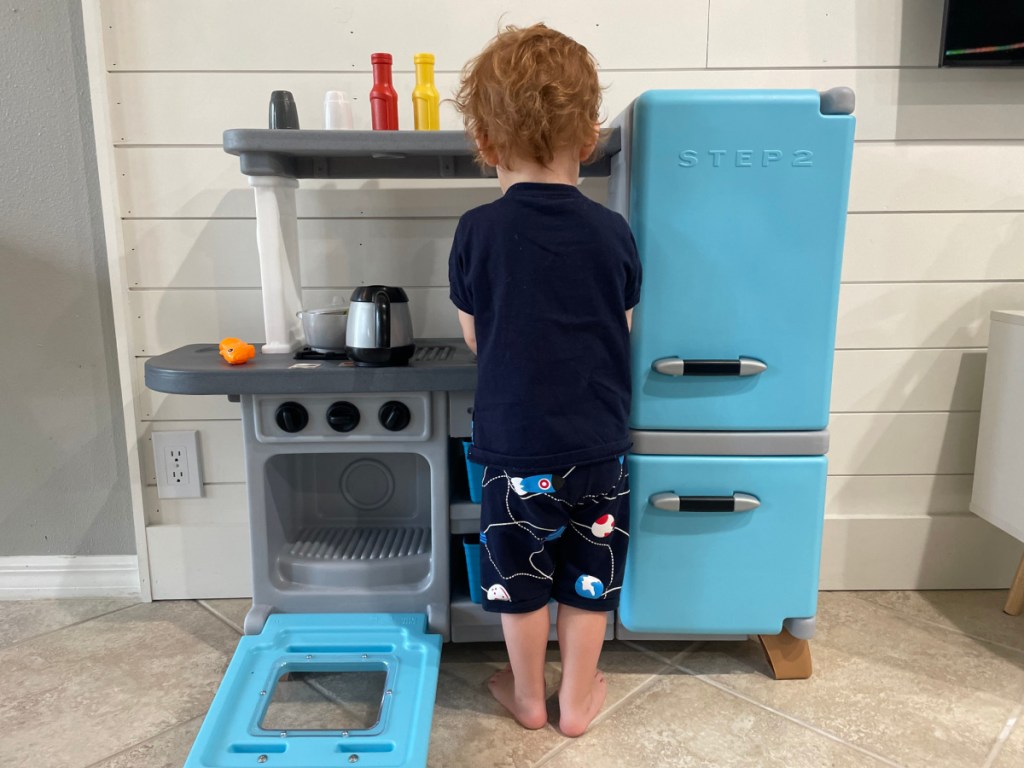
[{"x": 301, "y": 154}]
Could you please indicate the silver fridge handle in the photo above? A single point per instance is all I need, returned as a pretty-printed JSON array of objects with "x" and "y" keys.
[
  {"x": 673, "y": 502},
  {"x": 741, "y": 366}
]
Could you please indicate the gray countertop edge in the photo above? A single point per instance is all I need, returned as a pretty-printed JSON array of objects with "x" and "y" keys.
[
  {"x": 197, "y": 369},
  {"x": 319, "y": 143},
  {"x": 738, "y": 443}
]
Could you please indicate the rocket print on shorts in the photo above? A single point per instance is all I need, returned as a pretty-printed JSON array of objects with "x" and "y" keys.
[{"x": 536, "y": 484}]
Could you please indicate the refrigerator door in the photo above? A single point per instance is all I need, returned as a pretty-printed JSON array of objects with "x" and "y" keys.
[
  {"x": 738, "y": 203},
  {"x": 722, "y": 545}
]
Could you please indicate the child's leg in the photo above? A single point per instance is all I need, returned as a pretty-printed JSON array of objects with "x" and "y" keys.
[
  {"x": 581, "y": 694},
  {"x": 593, "y": 556},
  {"x": 520, "y": 687}
]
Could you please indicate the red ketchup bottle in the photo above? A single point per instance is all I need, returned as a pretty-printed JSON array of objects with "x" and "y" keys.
[{"x": 383, "y": 98}]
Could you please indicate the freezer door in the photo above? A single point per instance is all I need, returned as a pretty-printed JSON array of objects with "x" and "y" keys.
[
  {"x": 738, "y": 203},
  {"x": 722, "y": 545}
]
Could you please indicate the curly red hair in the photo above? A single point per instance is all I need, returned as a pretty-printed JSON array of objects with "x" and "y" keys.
[{"x": 529, "y": 94}]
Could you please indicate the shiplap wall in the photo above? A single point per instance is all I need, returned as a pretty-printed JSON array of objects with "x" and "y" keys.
[{"x": 935, "y": 233}]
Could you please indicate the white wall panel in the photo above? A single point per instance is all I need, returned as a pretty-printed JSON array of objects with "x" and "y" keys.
[
  {"x": 221, "y": 253},
  {"x": 817, "y": 33},
  {"x": 897, "y": 496},
  {"x": 223, "y": 504},
  {"x": 907, "y": 380},
  {"x": 903, "y": 443},
  {"x": 924, "y": 247},
  {"x": 920, "y": 553},
  {"x": 341, "y": 35},
  {"x": 895, "y": 315},
  {"x": 910, "y": 176},
  {"x": 193, "y": 253}
]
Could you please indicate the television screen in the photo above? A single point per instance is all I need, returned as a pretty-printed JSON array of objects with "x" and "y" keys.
[{"x": 981, "y": 33}]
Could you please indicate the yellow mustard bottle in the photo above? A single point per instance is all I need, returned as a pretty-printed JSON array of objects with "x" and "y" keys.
[{"x": 425, "y": 100}]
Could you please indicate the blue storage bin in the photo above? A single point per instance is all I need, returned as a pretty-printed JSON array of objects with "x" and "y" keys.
[
  {"x": 475, "y": 472},
  {"x": 705, "y": 570},
  {"x": 738, "y": 204},
  {"x": 471, "y": 544}
]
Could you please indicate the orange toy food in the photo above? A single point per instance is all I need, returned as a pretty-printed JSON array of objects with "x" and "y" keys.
[{"x": 236, "y": 351}]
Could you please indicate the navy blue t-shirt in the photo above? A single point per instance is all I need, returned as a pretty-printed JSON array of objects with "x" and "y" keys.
[{"x": 548, "y": 275}]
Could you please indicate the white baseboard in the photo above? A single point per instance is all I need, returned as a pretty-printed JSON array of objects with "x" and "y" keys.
[
  {"x": 912, "y": 553},
  {"x": 27, "y": 578}
]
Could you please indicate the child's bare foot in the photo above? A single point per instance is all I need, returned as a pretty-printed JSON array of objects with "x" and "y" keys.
[
  {"x": 577, "y": 716},
  {"x": 529, "y": 714}
]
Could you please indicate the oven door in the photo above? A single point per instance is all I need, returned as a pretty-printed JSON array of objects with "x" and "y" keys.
[{"x": 322, "y": 690}]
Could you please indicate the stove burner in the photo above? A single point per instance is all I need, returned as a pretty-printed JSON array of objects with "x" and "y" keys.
[
  {"x": 435, "y": 352},
  {"x": 430, "y": 353},
  {"x": 306, "y": 353}
]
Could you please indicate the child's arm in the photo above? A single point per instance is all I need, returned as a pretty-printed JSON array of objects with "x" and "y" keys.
[
  {"x": 629, "y": 319},
  {"x": 468, "y": 330}
]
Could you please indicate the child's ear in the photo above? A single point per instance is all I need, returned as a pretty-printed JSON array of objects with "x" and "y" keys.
[
  {"x": 588, "y": 149},
  {"x": 486, "y": 150}
]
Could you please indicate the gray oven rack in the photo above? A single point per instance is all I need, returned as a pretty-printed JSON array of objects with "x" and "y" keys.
[
  {"x": 360, "y": 543},
  {"x": 356, "y": 559},
  {"x": 303, "y": 154}
]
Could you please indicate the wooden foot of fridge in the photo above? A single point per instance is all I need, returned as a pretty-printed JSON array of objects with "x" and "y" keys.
[{"x": 789, "y": 657}]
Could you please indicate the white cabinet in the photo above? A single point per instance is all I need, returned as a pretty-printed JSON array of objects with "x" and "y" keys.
[{"x": 998, "y": 494}]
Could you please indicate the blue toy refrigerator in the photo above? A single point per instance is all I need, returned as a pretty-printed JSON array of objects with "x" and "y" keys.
[{"x": 737, "y": 200}]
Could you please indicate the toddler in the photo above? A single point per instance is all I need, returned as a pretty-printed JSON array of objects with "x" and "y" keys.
[{"x": 545, "y": 280}]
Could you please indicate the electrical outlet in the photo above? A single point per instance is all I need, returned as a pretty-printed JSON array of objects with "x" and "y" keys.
[{"x": 178, "y": 474}]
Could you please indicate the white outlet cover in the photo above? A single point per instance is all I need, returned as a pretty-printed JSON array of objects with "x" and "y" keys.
[{"x": 178, "y": 470}]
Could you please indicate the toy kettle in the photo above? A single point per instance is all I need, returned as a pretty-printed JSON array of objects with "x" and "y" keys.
[{"x": 379, "y": 330}]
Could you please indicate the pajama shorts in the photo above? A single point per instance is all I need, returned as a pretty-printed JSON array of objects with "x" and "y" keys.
[{"x": 560, "y": 535}]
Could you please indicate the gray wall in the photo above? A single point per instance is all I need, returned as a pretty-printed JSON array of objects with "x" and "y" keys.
[{"x": 63, "y": 467}]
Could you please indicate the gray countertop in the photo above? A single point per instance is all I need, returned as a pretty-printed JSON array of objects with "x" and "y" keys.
[
  {"x": 198, "y": 369},
  {"x": 305, "y": 154}
]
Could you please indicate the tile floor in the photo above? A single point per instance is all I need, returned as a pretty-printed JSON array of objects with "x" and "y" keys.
[{"x": 901, "y": 678}]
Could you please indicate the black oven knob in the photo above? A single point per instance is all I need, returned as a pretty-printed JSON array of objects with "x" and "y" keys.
[
  {"x": 291, "y": 417},
  {"x": 343, "y": 416},
  {"x": 394, "y": 416}
]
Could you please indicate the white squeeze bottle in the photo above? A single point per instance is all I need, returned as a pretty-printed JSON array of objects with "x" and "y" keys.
[{"x": 337, "y": 111}]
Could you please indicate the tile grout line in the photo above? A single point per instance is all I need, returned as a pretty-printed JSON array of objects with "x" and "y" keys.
[
  {"x": 67, "y": 626},
  {"x": 636, "y": 645},
  {"x": 140, "y": 743},
  {"x": 1003, "y": 736},
  {"x": 217, "y": 614},
  {"x": 910, "y": 617},
  {"x": 815, "y": 729},
  {"x": 603, "y": 715}
]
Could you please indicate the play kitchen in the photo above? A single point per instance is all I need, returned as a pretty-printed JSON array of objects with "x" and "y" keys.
[{"x": 358, "y": 490}]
